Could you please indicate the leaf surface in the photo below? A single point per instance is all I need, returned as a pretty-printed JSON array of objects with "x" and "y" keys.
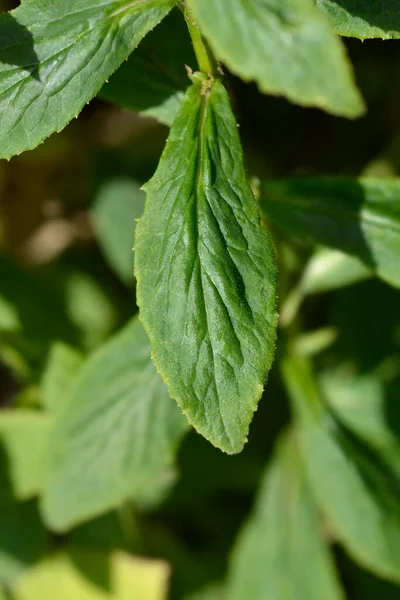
[
  {"x": 62, "y": 368},
  {"x": 357, "y": 492},
  {"x": 119, "y": 428},
  {"x": 282, "y": 540},
  {"x": 94, "y": 575},
  {"x": 23, "y": 443},
  {"x": 119, "y": 203},
  {"x": 356, "y": 18},
  {"x": 357, "y": 216},
  {"x": 55, "y": 56},
  {"x": 206, "y": 273},
  {"x": 153, "y": 80},
  {"x": 275, "y": 43}
]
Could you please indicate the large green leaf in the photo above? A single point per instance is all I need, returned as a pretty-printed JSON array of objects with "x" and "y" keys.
[
  {"x": 357, "y": 492},
  {"x": 153, "y": 81},
  {"x": 206, "y": 272},
  {"x": 358, "y": 216},
  {"x": 117, "y": 437},
  {"x": 364, "y": 19},
  {"x": 275, "y": 43},
  {"x": 55, "y": 56},
  {"x": 282, "y": 540},
  {"x": 118, "y": 204},
  {"x": 94, "y": 575},
  {"x": 62, "y": 368},
  {"x": 23, "y": 443}
]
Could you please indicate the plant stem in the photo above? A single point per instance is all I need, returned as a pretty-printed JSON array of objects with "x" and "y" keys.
[{"x": 205, "y": 58}]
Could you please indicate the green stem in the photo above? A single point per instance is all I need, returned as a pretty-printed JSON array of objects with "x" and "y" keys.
[{"x": 205, "y": 58}]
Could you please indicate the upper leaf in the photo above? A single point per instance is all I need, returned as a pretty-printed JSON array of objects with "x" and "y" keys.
[
  {"x": 358, "y": 493},
  {"x": 275, "y": 43},
  {"x": 119, "y": 429},
  {"x": 206, "y": 272},
  {"x": 55, "y": 56},
  {"x": 360, "y": 217},
  {"x": 364, "y": 19},
  {"x": 282, "y": 540},
  {"x": 153, "y": 80}
]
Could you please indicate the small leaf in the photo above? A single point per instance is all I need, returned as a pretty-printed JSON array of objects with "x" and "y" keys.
[
  {"x": 118, "y": 205},
  {"x": 360, "y": 217},
  {"x": 153, "y": 81},
  {"x": 23, "y": 444},
  {"x": 55, "y": 56},
  {"x": 120, "y": 429},
  {"x": 62, "y": 368},
  {"x": 364, "y": 19},
  {"x": 23, "y": 540},
  {"x": 206, "y": 274},
  {"x": 282, "y": 540},
  {"x": 357, "y": 492},
  {"x": 330, "y": 270},
  {"x": 94, "y": 575},
  {"x": 276, "y": 45}
]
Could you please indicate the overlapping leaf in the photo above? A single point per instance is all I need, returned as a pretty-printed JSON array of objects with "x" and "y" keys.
[
  {"x": 362, "y": 20},
  {"x": 359, "y": 217},
  {"x": 275, "y": 43},
  {"x": 357, "y": 492},
  {"x": 206, "y": 273},
  {"x": 153, "y": 81},
  {"x": 55, "y": 56},
  {"x": 116, "y": 438},
  {"x": 282, "y": 540}
]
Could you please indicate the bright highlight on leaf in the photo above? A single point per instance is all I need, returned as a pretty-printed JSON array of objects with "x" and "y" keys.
[
  {"x": 95, "y": 575},
  {"x": 120, "y": 428},
  {"x": 55, "y": 56},
  {"x": 206, "y": 272},
  {"x": 359, "y": 217},
  {"x": 286, "y": 46}
]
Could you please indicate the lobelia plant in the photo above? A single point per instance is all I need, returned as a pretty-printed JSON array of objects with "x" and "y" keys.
[{"x": 206, "y": 288}]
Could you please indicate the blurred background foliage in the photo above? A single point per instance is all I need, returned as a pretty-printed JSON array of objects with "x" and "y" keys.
[{"x": 67, "y": 218}]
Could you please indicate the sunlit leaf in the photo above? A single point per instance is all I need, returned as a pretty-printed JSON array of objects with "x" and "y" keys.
[
  {"x": 94, "y": 575},
  {"x": 205, "y": 272},
  {"x": 275, "y": 43},
  {"x": 362, "y": 20},
  {"x": 55, "y": 56}
]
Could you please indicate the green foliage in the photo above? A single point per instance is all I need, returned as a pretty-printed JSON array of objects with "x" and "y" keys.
[
  {"x": 286, "y": 35},
  {"x": 119, "y": 428},
  {"x": 360, "y": 217},
  {"x": 154, "y": 79},
  {"x": 364, "y": 19},
  {"x": 118, "y": 205},
  {"x": 206, "y": 274},
  {"x": 282, "y": 540},
  {"x": 119, "y": 308},
  {"x": 54, "y": 59}
]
